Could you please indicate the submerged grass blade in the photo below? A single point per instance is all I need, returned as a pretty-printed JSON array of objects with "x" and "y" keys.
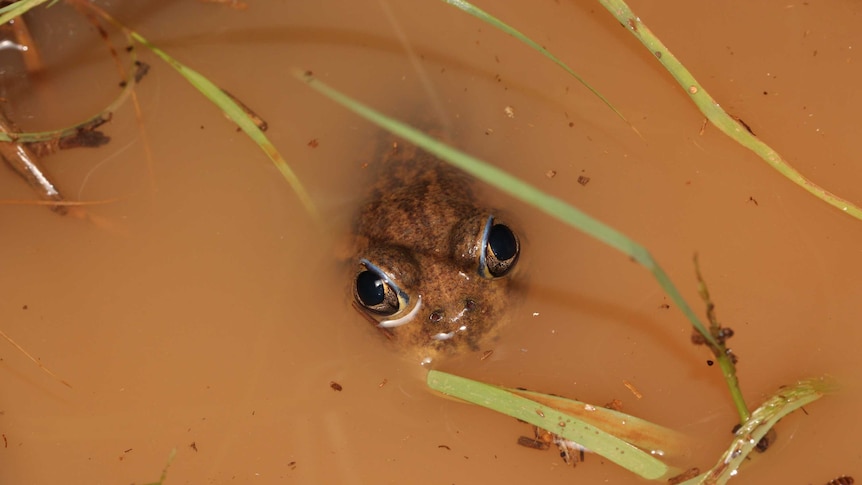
[
  {"x": 239, "y": 116},
  {"x": 477, "y": 12},
  {"x": 16, "y": 9},
  {"x": 164, "y": 475},
  {"x": 35, "y": 360},
  {"x": 569, "y": 427},
  {"x": 783, "y": 402},
  {"x": 227, "y": 104},
  {"x": 641, "y": 433},
  {"x": 713, "y": 111}
]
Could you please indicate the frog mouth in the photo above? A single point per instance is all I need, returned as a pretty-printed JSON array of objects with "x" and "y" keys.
[{"x": 397, "y": 322}]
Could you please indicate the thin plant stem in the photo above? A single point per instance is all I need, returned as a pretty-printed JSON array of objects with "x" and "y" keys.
[{"x": 715, "y": 113}]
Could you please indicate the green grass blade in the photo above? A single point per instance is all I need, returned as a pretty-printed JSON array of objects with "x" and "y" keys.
[
  {"x": 104, "y": 115},
  {"x": 636, "y": 431},
  {"x": 780, "y": 404},
  {"x": 164, "y": 474},
  {"x": 714, "y": 112},
  {"x": 14, "y": 10},
  {"x": 235, "y": 112},
  {"x": 477, "y": 12},
  {"x": 595, "y": 439}
]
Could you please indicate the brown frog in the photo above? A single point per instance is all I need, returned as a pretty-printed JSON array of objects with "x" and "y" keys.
[{"x": 433, "y": 267}]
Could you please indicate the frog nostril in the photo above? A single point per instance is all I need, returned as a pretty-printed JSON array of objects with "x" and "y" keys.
[
  {"x": 436, "y": 316},
  {"x": 470, "y": 305}
]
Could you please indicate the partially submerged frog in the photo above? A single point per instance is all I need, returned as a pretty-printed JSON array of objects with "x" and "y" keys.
[{"x": 433, "y": 267}]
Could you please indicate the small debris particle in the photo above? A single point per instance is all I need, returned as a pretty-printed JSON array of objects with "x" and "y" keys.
[
  {"x": 194, "y": 446},
  {"x": 335, "y": 386},
  {"x": 497, "y": 58},
  {"x": 583, "y": 180},
  {"x": 765, "y": 93},
  {"x": 571, "y": 124},
  {"x": 5, "y": 441},
  {"x": 632, "y": 24},
  {"x": 664, "y": 306},
  {"x": 752, "y": 199},
  {"x": 766, "y": 441},
  {"x": 25, "y": 307},
  {"x": 445, "y": 447},
  {"x": 551, "y": 174},
  {"x": 540, "y": 413},
  {"x": 733, "y": 358},
  {"x": 692, "y": 89},
  {"x": 313, "y": 143},
  {"x": 383, "y": 382},
  {"x": 686, "y": 475},
  {"x": 533, "y": 443},
  {"x": 489, "y": 131},
  {"x": 710, "y": 363},
  {"x": 842, "y": 480},
  {"x": 510, "y": 111},
  {"x": 127, "y": 451},
  {"x": 744, "y": 124},
  {"x": 292, "y": 465},
  {"x": 142, "y": 69},
  {"x": 615, "y": 405},
  {"x": 486, "y": 354},
  {"x": 658, "y": 54},
  {"x": 631, "y": 387}
]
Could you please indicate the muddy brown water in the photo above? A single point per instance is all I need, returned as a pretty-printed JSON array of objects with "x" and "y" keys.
[{"x": 204, "y": 311}]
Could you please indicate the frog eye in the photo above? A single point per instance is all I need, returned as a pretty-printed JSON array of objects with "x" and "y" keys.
[
  {"x": 376, "y": 292},
  {"x": 500, "y": 250}
]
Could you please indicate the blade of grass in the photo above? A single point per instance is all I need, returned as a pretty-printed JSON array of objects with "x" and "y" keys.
[
  {"x": 477, "y": 12},
  {"x": 647, "y": 436},
  {"x": 780, "y": 404},
  {"x": 227, "y": 104},
  {"x": 94, "y": 121},
  {"x": 239, "y": 116},
  {"x": 15, "y": 10},
  {"x": 553, "y": 206},
  {"x": 35, "y": 360},
  {"x": 164, "y": 475},
  {"x": 714, "y": 112},
  {"x": 569, "y": 427}
]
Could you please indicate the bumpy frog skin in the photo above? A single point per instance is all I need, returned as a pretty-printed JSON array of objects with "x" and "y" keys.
[{"x": 433, "y": 268}]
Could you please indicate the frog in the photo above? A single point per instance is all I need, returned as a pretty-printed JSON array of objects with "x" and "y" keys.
[{"x": 434, "y": 268}]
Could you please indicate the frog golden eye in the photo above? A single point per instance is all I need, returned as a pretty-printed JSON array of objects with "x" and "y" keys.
[
  {"x": 376, "y": 292},
  {"x": 500, "y": 250}
]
